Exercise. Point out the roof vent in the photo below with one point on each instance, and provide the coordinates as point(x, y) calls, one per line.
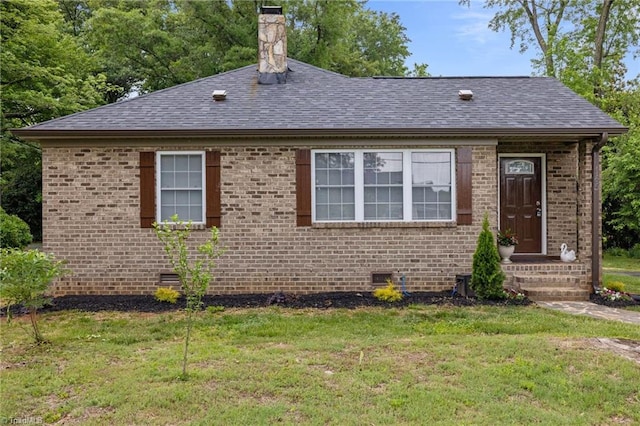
point(219, 95)
point(465, 95)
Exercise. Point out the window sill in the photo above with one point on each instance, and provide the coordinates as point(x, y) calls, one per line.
point(342, 225)
point(194, 226)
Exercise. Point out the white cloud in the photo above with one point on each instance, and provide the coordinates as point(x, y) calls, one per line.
point(474, 26)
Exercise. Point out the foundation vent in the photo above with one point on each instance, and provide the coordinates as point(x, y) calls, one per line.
point(380, 278)
point(169, 278)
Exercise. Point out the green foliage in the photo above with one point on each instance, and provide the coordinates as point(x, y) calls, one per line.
point(46, 73)
point(193, 268)
point(390, 293)
point(486, 274)
point(24, 279)
point(615, 286)
point(620, 181)
point(167, 294)
point(634, 252)
point(14, 232)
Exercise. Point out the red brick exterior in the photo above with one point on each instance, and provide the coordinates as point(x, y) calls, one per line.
point(92, 219)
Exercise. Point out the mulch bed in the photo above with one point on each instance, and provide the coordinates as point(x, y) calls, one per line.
point(596, 298)
point(348, 300)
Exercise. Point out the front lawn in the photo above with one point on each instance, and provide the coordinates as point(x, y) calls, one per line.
point(419, 365)
point(613, 265)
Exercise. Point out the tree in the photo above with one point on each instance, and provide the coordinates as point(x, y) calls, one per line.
point(621, 174)
point(486, 273)
point(588, 39)
point(584, 43)
point(150, 45)
point(24, 279)
point(193, 270)
point(45, 74)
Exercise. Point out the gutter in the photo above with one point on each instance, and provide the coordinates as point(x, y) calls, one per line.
point(83, 134)
point(595, 211)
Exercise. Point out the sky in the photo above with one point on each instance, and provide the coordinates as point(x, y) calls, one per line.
point(455, 40)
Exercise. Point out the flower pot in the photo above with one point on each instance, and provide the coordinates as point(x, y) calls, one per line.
point(505, 253)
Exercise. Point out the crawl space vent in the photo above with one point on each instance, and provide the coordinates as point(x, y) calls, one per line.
point(380, 278)
point(169, 278)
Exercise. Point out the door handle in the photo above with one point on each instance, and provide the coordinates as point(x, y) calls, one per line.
point(538, 209)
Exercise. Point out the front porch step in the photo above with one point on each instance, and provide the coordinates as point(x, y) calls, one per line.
point(552, 287)
point(554, 294)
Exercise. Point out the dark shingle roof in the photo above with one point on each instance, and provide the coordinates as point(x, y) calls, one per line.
point(316, 100)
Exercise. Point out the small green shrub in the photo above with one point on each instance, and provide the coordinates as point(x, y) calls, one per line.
point(615, 286)
point(617, 251)
point(388, 294)
point(25, 276)
point(167, 294)
point(14, 232)
point(634, 251)
point(486, 273)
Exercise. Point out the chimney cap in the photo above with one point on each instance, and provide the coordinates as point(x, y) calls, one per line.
point(271, 10)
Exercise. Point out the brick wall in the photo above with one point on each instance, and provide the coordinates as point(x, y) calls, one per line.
point(91, 218)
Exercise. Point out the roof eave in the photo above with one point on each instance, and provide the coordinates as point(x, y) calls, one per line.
point(580, 133)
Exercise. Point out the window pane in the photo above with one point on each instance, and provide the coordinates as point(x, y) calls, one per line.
point(182, 180)
point(347, 177)
point(322, 212)
point(335, 186)
point(322, 195)
point(383, 186)
point(395, 194)
point(335, 177)
point(321, 161)
point(431, 180)
point(348, 196)
point(181, 163)
point(195, 163)
point(182, 198)
point(349, 212)
point(166, 163)
point(444, 211)
point(335, 195)
point(177, 173)
point(195, 179)
point(167, 180)
point(322, 177)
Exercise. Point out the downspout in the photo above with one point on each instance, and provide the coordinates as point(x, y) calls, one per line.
point(595, 210)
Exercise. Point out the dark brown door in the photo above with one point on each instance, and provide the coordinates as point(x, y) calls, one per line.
point(521, 201)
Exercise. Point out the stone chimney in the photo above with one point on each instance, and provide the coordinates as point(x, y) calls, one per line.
point(272, 46)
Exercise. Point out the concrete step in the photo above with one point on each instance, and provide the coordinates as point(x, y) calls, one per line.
point(553, 294)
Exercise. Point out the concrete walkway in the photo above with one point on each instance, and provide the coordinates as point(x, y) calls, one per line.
point(594, 310)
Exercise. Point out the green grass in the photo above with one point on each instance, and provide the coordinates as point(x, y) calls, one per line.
point(421, 365)
point(621, 263)
point(613, 265)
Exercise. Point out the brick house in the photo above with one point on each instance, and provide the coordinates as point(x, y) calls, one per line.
point(321, 182)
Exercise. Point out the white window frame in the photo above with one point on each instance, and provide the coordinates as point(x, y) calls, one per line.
point(407, 195)
point(159, 155)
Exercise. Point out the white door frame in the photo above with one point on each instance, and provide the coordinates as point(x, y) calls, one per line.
point(543, 188)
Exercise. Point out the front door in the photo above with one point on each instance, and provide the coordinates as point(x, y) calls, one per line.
point(521, 201)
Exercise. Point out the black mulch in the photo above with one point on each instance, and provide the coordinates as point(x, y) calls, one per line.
point(349, 300)
point(635, 301)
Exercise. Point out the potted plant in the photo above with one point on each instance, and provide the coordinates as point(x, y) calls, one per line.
point(507, 242)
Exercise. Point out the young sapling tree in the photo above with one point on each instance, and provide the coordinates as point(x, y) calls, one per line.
point(24, 280)
point(194, 269)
